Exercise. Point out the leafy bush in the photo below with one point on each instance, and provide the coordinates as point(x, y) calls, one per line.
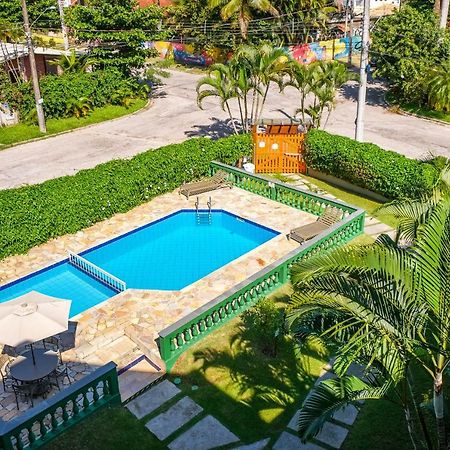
point(34, 214)
point(58, 92)
point(268, 322)
point(369, 166)
point(406, 45)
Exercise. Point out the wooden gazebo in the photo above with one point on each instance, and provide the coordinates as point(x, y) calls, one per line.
point(278, 147)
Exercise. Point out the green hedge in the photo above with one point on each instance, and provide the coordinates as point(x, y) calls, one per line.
point(57, 91)
point(368, 166)
point(32, 215)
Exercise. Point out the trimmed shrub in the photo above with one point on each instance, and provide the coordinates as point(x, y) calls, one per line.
point(366, 165)
point(99, 87)
point(32, 215)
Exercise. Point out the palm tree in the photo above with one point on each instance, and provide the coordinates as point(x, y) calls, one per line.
point(74, 63)
point(218, 83)
point(381, 299)
point(320, 79)
point(243, 10)
point(412, 214)
point(266, 65)
point(247, 77)
point(438, 87)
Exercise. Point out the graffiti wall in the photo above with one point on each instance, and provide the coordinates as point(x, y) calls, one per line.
point(304, 53)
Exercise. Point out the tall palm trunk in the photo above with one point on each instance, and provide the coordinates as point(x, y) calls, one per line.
point(231, 118)
point(438, 403)
point(263, 101)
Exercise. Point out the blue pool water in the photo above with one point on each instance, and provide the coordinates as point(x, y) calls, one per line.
point(168, 254)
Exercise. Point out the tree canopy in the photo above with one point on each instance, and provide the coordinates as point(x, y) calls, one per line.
point(115, 31)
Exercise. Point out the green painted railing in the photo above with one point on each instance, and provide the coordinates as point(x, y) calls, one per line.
point(39, 425)
point(177, 338)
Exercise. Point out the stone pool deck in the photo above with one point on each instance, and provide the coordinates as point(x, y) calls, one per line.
point(125, 326)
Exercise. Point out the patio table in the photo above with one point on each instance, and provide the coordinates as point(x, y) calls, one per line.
point(23, 369)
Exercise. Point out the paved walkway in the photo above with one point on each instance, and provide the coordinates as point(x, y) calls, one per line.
point(175, 116)
point(181, 424)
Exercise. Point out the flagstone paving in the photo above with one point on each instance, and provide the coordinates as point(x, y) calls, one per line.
point(288, 441)
point(174, 418)
point(204, 435)
point(153, 399)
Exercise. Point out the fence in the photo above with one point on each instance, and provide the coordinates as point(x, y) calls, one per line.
point(44, 422)
point(96, 272)
point(177, 338)
point(278, 153)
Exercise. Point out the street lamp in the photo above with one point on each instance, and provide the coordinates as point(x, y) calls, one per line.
point(40, 15)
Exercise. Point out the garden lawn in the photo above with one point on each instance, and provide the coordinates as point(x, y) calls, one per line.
point(349, 197)
point(23, 132)
point(354, 199)
point(253, 395)
point(113, 428)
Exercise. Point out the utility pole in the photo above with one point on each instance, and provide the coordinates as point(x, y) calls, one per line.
point(34, 74)
point(63, 25)
point(350, 33)
point(359, 133)
point(444, 14)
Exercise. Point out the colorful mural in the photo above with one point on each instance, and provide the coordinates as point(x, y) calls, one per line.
point(304, 53)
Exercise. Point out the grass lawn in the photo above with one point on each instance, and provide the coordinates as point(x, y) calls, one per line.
point(415, 109)
point(112, 428)
point(349, 197)
point(23, 132)
point(253, 395)
point(425, 112)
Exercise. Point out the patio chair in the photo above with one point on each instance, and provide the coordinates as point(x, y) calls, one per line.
point(24, 391)
point(7, 380)
point(61, 372)
point(217, 181)
point(53, 343)
point(311, 230)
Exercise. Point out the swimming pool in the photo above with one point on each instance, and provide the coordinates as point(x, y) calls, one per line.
point(167, 254)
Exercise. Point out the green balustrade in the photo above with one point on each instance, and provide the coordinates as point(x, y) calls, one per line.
point(39, 425)
point(175, 339)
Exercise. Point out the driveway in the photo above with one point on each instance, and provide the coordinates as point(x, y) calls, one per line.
point(174, 116)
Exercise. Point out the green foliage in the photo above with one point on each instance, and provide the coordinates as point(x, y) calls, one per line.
point(246, 78)
point(369, 166)
point(318, 81)
point(34, 214)
point(74, 62)
point(38, 12)
point(188, 17)
point(382, 306)
point(267, 320)
point(406, 45)
point(242, 11)
point(438, 87)
point(115, 31)
point(61, 92)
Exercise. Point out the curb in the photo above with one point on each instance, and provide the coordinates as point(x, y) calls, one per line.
point(402, 112)
point(148, 105)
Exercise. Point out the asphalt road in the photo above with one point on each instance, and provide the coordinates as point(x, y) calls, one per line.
point(174, 116)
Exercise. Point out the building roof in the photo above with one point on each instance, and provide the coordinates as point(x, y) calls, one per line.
point(10, 51)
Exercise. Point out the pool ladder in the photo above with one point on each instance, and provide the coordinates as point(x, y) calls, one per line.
point(203, 217)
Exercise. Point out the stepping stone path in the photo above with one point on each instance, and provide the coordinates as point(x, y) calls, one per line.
point(182, 424)
point(153, 399)
point(206, 434)
point(333, 434)
point(166, 423)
